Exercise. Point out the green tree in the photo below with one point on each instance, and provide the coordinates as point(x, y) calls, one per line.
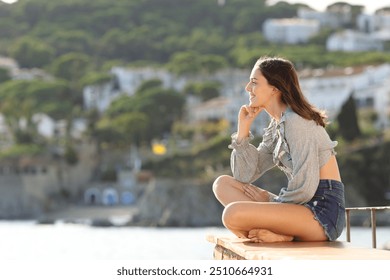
point(113, 44)
point(322, 36)
point(367, 170)
point(154, 31)
point(205, 91)
point(185, 63)
point(31, 52)
point(32, 11)
point(132, 126)
point(95, 78)
point(52, 98)
point(71, 66)
point(212, 63)
point(196, 41)
point(149, 84)
point(4, 75)
point(122, 130)
point(21, 100)
point(71, 41)
point(347, 119)
point(161, 106)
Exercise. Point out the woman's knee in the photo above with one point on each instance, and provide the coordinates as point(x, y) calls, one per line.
point(221, 182)
point(231, 215)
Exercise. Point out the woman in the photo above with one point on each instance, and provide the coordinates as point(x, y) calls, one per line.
point(311, 207)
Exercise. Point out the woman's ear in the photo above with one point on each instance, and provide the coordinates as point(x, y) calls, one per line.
point(275, 90)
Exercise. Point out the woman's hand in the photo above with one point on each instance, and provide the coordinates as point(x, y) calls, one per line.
point(248, 113)
point(246, 116)
point(255, 193)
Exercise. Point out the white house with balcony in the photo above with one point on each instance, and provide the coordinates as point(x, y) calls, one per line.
point(290, 30)
point(353, 41)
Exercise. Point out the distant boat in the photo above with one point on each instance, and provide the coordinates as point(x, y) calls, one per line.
point(120, 221)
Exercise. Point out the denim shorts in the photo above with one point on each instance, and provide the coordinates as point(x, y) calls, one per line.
point(328, 207)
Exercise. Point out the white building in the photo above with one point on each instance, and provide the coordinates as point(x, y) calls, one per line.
point(371, 23)
point(290, 30)
point(233, 95)
point(367, 23)
point(127, 80)
point(353, 41)
point(377, 25)
point(10, 64)
point(17, 73)
point(214, 109)
point(227, 108)
point(326, 19)
point(328, 89)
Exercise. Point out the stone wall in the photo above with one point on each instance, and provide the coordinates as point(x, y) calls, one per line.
point(14, 202)
point(31, 186)
point(179, 203)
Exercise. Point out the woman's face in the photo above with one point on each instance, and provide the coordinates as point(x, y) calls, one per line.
point(260, 92)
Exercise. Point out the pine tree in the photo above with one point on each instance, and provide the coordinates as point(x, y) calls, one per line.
point(348, 120)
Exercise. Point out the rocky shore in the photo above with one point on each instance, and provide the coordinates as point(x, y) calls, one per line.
point(162, 203)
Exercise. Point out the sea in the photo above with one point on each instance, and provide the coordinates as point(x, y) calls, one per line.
point(28, 240)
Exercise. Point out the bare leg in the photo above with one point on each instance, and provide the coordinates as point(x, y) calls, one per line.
point(228, 190)
point(271, 222)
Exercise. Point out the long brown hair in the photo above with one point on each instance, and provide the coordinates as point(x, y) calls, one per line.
point(281, 74)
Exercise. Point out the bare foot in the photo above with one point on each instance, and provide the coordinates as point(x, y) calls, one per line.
point(264, 235)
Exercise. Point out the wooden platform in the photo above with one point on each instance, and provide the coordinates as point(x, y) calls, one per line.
point(234, 248)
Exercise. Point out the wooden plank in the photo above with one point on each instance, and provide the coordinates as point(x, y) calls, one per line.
point(234, 248)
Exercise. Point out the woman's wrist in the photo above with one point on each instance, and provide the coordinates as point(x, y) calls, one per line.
point(242, 133)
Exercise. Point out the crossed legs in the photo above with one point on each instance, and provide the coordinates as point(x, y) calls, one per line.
point(263, 221)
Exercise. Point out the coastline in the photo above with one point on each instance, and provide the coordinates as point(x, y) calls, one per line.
point(128, 216)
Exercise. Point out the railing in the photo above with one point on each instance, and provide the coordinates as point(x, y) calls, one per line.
point(373, 220)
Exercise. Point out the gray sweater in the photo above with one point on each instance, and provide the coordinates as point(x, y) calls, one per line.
point(299, 147)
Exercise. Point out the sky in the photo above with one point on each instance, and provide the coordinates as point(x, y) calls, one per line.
point(320, 5)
